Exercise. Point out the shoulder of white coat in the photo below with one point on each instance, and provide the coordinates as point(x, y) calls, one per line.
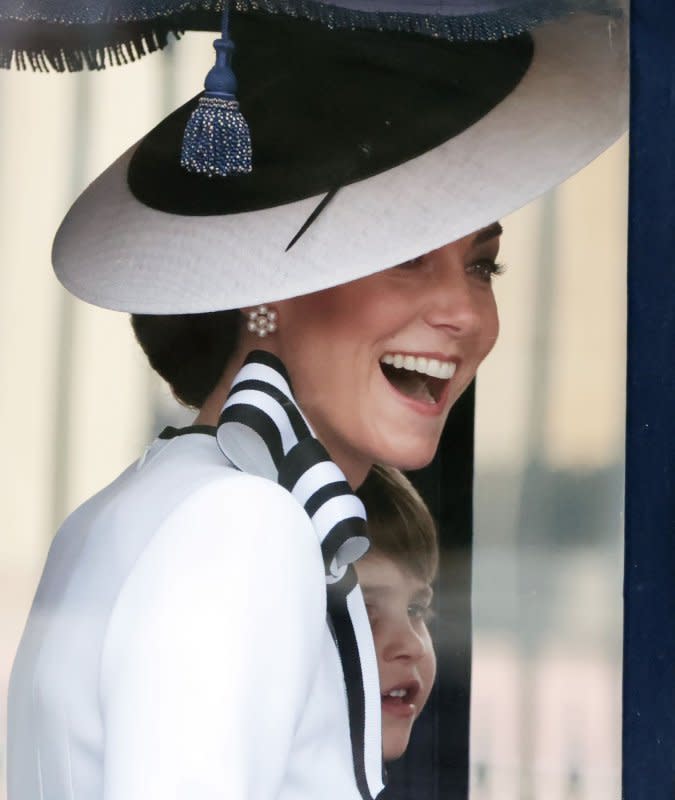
point(232, 527)
point(239, 555)
point(235, 513)
point(248, 497)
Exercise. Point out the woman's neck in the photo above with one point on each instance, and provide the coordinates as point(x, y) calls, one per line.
point(353, 466)
point(209, 413)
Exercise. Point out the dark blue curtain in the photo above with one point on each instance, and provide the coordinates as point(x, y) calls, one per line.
point(649, 621)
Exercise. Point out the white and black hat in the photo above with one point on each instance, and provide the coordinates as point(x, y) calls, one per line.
point(369, 147)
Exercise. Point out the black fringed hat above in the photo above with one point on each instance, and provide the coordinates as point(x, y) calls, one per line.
point(369, 148)
point(369, 102)
point(70, 35)
point(54, 34)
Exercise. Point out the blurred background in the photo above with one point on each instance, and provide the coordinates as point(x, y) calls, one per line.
point(79, 403)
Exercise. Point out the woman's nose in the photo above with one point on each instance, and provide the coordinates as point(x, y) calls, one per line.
point(454, 303)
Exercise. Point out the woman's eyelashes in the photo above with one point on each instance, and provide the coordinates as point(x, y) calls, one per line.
point(414, 263)
point(485, 269)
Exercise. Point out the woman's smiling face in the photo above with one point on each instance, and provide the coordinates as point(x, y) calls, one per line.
point(377, 363)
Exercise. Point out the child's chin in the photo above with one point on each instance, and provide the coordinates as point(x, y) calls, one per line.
point(395, 748)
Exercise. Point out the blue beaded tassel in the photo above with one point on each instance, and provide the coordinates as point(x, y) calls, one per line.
point(216, 139)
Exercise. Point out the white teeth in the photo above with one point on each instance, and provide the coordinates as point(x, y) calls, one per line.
point(427, 366)
point(397, 693)
point(447, 370)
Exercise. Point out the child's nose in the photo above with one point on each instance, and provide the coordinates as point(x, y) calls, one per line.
point(404, 643)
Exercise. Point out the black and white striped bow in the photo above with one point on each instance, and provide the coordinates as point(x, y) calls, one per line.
point(263, 432)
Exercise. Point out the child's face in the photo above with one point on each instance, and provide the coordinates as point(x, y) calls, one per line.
point(398, 606)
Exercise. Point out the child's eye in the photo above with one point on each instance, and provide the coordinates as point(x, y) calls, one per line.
point(485, 268)
point(419, 611)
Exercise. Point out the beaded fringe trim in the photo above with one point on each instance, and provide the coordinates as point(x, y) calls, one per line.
point(75, 52)
point(217, 139)
point(487, 26)
point(84, 12)
point(128, 30)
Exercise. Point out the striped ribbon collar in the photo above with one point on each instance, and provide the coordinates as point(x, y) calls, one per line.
point(262, 431)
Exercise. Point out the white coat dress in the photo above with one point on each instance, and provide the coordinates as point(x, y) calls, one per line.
point(178, 649)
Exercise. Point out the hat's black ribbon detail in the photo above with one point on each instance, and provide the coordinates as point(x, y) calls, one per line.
point(262, 431)
point(310, 219)
point(364, 151)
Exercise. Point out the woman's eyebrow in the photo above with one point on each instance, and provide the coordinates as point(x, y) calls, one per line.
point(485, 234)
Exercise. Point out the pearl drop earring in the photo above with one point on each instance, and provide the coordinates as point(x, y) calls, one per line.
point(262, 320)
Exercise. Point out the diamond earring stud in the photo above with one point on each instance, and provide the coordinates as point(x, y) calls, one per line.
point(262, 321)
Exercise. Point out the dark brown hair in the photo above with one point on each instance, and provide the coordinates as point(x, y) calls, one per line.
point(189, 351)
point(399, 523)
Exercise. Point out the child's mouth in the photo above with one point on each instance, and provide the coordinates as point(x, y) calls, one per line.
point(399, 700)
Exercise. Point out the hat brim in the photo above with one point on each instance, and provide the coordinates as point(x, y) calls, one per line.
point(113, 251)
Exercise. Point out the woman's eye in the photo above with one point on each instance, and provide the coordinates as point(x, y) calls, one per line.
point(413, 263)
point(485, 268)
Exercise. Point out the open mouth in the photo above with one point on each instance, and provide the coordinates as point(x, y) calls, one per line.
point(417, 377)
point(400, 699)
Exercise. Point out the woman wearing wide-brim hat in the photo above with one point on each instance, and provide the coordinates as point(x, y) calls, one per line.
point(198, 631)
